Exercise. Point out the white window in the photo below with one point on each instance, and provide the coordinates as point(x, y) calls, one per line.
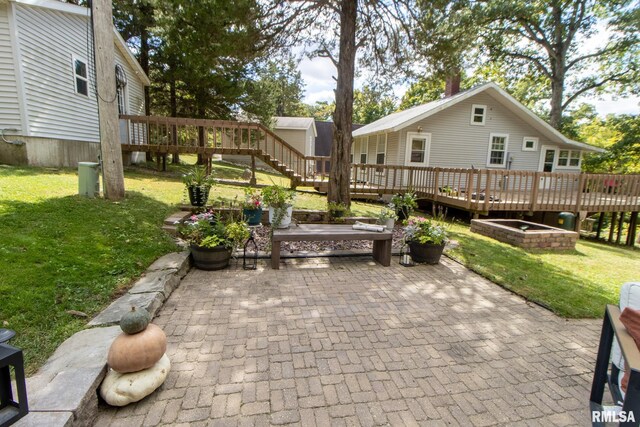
point(497, 155)
point(121, 89)
point(80, 76)
point(417, 151)
point(381, 151)
point(530, 143)
point(478, 114)
point(569, 158)
point(363, 150)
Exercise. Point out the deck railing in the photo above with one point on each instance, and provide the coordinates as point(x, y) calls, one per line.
point(480, 190)
point(486, 190)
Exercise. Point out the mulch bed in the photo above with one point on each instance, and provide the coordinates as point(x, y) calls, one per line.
point(261, 235)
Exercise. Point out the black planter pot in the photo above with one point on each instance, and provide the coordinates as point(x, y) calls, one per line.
point(198, 195)
point(425, 253)
point(252, 216)
point(403, 213)
point(210, 258)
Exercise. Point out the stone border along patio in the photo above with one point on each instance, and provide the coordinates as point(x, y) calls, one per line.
point(63, 392)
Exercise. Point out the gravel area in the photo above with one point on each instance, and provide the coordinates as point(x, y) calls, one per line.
point(261, 235)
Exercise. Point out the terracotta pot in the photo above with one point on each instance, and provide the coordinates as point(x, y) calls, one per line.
point(425, 253)
point(198, 195)
point(210, 258)
point(252, 216)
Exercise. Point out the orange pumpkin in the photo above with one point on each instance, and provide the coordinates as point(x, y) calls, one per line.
point(133, 353)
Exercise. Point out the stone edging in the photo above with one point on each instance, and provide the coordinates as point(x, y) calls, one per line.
point(63, 392)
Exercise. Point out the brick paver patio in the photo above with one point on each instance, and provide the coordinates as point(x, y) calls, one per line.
point(347, 342)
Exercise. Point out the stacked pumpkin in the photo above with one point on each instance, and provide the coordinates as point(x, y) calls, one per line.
point(137, 361)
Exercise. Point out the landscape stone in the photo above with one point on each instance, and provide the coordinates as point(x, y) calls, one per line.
point(121, 389)
point(163, 281)
point(76, 367)
point(175, 260)
point(151, 301)
point(49, 419)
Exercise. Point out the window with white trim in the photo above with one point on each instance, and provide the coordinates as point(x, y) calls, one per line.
point(418, 150)
point(364, 145)
point(381, 151)
point(80, 76)
point(530, 143)
point(497, 149)
point(478, 114)
point(569, 158)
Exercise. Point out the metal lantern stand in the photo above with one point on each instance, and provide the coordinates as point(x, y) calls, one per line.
point(405, 258)
point(250, 254)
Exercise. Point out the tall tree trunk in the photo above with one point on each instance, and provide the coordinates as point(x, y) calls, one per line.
point(339, 176)
point(144, 63)
point(173, 103)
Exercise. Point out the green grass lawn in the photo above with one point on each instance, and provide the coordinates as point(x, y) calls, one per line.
point(574, 283)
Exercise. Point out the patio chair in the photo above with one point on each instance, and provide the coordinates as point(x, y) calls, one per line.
point(617, 346)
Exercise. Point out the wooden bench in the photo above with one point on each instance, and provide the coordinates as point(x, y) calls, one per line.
point(325, 232)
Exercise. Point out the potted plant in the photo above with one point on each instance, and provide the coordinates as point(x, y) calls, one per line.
point(211, 239)
point(404, 204)
point(198, 185)
point(426, 239)
point(337, 210)
point(252, 206)
point(387, 217)
point(280, 201)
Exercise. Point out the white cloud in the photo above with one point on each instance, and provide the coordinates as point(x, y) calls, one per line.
point(609, 105)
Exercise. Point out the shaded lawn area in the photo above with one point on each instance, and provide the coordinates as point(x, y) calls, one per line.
point(574, 284)
point(61, 252)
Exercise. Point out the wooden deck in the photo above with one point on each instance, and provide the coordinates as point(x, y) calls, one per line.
point(474, 190)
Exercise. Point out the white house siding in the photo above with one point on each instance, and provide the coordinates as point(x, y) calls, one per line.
point(9, 106)
point(294, 137)
point(455, 143)
point(48, 39)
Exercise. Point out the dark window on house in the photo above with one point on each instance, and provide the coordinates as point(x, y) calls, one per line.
point(81, 76)
point(497, 150)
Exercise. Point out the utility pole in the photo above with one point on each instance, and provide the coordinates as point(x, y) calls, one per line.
point(112, 170)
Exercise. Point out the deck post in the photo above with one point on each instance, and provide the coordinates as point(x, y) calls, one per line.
point(620, 227)
point(487, 191)
point(253, 181)
point(631, 233)
point(468, 187)
point(534, 192)
point(612, 226)
point(600, 221)
point(437, 186)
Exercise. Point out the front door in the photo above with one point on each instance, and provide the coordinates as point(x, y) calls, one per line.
point(547, 164)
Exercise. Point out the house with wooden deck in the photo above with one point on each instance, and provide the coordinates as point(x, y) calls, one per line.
point(480, 128)
point(48, 108)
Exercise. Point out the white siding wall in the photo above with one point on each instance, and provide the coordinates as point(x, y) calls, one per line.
point(9, 106)
point(455, 143)
point(294, 137)
point(48, 39)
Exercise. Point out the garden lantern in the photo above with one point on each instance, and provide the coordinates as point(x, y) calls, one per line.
point(10, 410)
point(405, 257)
point(250, 254)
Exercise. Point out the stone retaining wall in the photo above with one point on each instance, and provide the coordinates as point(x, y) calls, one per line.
point(553, 238)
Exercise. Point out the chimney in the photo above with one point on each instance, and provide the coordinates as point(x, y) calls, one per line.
point(453, 84)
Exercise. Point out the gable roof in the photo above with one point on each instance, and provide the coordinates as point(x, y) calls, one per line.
point(298, 123)
point(85, 12)
point(401, 119)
